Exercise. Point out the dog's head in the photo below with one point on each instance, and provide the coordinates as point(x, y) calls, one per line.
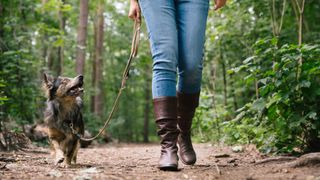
point(62, 88)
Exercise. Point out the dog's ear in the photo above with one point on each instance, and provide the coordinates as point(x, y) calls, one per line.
point(47, 81)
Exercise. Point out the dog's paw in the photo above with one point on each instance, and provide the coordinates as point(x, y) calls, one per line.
point(65, 165)
point(74, 160)
point(59, 157)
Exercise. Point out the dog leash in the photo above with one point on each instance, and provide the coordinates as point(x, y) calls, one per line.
point(125, 76)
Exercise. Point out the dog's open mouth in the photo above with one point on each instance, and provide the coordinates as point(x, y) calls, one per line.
point(76, 90)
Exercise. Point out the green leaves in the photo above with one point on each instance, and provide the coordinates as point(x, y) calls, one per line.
point(259, 104)
point(249, 60)
point(305, 83)
point(288, 109)
point(3, 97)
point(56, 5)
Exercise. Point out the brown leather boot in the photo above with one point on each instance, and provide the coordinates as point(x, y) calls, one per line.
point(187, 104)
point(165, 110)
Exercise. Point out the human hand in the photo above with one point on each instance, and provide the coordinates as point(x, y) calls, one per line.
point(134, 11)
point(219, 4)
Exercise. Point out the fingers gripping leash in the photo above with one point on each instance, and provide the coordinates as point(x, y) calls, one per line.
point(133, 54)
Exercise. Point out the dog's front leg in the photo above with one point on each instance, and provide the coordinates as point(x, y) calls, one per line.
point(69, 144)
point(59, 155)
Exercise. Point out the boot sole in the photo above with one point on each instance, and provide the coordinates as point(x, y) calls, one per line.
point(168, 168)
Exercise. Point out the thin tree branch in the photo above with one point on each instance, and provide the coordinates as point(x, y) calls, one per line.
point(273, 13)
point(282, 15)
point(298, 5)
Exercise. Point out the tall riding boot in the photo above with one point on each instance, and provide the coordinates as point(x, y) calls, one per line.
point(165, 110)
point(187, 104)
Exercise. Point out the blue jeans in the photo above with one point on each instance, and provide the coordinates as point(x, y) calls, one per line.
point(176, 31)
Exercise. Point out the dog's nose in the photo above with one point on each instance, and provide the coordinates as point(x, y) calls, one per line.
point(80, 77)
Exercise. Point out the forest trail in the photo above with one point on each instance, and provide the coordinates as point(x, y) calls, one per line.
point(139, 161)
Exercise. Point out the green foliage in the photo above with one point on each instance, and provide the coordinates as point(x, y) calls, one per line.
point(286, 115)
point(14, 67)
point(3, 98)
point(19, 93)
point(259, 93)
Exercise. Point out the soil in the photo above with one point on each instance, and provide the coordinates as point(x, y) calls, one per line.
point(139, 161)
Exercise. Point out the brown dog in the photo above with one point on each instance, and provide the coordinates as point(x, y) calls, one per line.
point(64, 106)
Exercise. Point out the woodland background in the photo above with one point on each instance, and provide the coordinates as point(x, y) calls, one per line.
point(261, 75)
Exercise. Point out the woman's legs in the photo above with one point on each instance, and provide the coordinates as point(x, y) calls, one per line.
point(191, 23)
point(175, 36)
point(160, 17)
point(177, 33)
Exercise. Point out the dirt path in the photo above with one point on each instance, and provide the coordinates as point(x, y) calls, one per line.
point(138, 161)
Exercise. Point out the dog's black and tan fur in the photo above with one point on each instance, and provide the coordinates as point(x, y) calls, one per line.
point(64, 106)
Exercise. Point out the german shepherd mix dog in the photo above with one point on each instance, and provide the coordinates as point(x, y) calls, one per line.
point(64, 106)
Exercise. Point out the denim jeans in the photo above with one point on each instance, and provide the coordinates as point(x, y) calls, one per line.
point(176, 30)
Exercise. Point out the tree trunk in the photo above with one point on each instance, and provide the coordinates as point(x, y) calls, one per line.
point(213, 74)
point(1, 21)
point(300, 35)
point(301, 12)
point(51, 58)
point(233, 92)
point(62, 24)
point(276, 26)
point(44, 40)
point(147, 105)
point(93, 79)
point(82, 37)
point(224, 75)
point(44, 51)
point(98, 97)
